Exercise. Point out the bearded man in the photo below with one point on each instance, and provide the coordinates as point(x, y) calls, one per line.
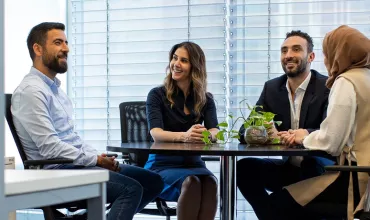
point(299, 98)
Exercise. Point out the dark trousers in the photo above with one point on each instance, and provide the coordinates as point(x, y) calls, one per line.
point(255, 176)
point(129, 191)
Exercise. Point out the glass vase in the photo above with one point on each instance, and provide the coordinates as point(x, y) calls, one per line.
point(255, 135)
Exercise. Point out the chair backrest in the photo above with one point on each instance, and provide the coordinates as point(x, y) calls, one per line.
point(134, 127)
point(9, 119)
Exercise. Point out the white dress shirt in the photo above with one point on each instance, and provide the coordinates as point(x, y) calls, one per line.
point(296, 101)
point(339, 127)
point(295, 111)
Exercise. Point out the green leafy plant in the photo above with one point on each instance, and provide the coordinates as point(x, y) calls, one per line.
point(260, 118)
point(206, 139)
point(229, 133)
point(256, 118)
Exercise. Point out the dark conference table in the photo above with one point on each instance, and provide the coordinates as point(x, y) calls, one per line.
point(228, 153)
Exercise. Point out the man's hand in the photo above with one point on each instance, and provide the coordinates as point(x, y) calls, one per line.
point(108, 163)
point(194, 134)
point(287, 137)
point(104, 155)
point(300, 134)
point(272, 131)
point(293, 137)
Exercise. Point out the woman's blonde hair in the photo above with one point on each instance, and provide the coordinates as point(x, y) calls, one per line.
point(198, 76)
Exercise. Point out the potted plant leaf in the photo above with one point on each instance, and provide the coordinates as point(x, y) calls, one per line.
point(225, 134)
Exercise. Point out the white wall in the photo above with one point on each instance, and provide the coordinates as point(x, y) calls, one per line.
point(20, 17)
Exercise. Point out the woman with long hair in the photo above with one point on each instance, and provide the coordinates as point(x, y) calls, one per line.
point(176, 112)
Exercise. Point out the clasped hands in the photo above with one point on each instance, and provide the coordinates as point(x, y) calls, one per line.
point(194, 134)
point(108, 163)
point(292, 137)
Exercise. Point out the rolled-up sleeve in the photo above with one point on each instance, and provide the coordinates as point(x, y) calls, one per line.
point(30, 110)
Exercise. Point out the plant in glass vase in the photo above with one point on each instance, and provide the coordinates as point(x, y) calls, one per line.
point(257, 126)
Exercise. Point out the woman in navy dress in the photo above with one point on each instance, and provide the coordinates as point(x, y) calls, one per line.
point(176, 112)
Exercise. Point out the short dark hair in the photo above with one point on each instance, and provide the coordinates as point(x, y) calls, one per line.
point(304, 35)
point(38, 35)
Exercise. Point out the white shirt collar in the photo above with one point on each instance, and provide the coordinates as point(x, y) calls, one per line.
point(303, 85)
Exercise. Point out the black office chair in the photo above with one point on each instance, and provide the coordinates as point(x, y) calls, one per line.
point(50, 212)
point(134, 128)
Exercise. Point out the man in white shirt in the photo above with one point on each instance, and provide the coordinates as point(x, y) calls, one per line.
point(299, 99)
point(42, 115)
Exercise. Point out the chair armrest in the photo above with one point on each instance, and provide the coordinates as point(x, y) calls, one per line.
point(365, 169)
point(46, 162)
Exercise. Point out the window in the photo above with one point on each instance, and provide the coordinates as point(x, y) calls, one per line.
point(119, 51)
point(258, 29)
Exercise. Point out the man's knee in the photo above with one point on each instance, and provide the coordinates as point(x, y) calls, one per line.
point(156, 183)
point(310, 167)
point(124, 184)
point(248, 166)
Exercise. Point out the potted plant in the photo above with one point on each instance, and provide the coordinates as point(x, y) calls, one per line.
point(257, 125)
point(225, 134)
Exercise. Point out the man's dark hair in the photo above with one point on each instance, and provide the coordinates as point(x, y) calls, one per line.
point(38, 35)
point(302, 35)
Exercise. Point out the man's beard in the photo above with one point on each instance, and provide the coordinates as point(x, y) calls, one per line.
point(53, 63)
point(299, 70)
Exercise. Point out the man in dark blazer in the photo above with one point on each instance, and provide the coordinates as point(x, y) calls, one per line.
point(299, 99)
point(274, 98)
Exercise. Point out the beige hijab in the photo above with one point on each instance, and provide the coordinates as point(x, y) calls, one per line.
point(345, 48)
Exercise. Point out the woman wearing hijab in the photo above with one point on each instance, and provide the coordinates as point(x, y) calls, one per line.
point(344, 133)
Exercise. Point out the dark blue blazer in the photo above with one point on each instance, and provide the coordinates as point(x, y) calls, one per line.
point(274, 98)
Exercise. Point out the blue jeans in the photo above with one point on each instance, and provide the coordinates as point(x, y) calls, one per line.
point(129, 191)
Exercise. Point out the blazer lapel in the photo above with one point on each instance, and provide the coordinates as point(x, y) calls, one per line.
point(308, 96)
point(284, 105)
